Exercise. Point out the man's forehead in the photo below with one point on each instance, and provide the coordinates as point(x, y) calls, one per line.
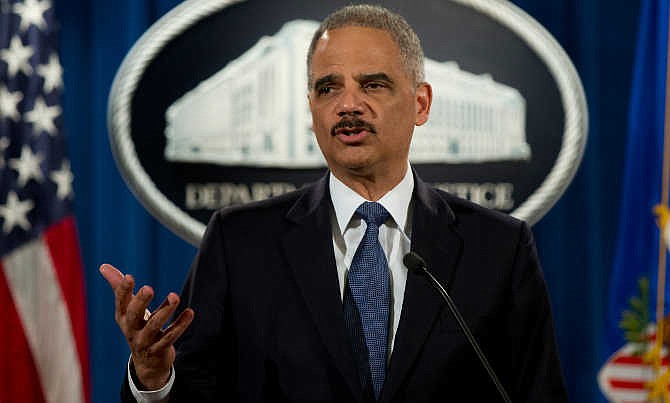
point(353, 44)
point(355, 50)
point(353, 29)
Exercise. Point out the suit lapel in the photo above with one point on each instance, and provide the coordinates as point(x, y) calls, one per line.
point(434, 239)
point(309, 250)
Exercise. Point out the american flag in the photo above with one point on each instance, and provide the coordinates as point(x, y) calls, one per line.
point(43, 341)
point(624, 376)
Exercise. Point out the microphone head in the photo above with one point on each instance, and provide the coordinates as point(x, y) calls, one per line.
point(414, 262)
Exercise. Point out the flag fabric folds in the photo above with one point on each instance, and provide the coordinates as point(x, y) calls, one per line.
point(638, 237)
point(43, 344)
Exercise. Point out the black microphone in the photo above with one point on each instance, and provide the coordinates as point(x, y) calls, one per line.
point(416, 264)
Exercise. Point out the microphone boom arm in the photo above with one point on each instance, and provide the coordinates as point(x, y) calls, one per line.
point(419, 265)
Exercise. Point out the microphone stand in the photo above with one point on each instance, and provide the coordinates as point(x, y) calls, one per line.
point(415, 263)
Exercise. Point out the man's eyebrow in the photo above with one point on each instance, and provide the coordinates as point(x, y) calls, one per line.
point(373, 77)
point(325, 79)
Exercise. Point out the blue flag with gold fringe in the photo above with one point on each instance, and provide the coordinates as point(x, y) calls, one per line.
point(637, 255)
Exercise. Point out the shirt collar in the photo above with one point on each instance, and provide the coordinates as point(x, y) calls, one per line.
point(396, 201)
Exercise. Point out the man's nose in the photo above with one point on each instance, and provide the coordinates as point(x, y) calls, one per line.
point(350, 103)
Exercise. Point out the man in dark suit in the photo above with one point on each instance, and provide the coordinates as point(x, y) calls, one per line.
point(304, 297)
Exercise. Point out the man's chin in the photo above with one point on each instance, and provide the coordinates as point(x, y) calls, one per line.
point(362, 169)
point(357, 164)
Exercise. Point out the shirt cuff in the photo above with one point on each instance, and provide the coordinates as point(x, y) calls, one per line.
point(150, 396)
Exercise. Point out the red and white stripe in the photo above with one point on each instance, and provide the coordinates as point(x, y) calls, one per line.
point(44, 350)
point(622, 379)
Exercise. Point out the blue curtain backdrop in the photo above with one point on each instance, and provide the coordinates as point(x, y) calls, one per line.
point(576, 240)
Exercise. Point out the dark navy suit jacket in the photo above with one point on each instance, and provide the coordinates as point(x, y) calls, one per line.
point(269, 324)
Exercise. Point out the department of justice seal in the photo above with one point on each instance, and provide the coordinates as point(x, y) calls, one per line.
point(209, 108)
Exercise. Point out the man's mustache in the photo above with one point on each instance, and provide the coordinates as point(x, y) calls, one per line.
point(352, 123)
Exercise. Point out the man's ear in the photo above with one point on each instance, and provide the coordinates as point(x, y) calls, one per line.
point(424, 98)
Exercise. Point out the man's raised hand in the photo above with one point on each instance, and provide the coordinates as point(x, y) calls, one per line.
point(151, 346)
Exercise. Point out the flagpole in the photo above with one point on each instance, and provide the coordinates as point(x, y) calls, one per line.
point(665, 184)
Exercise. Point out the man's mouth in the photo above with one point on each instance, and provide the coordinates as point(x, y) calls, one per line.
point(352, 128)
point(350, 132)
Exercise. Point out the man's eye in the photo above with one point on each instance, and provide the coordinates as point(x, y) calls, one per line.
point(374, 86)
point(324, 90)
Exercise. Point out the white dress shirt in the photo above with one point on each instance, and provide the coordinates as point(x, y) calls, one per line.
point(348, 230)
point(394, 236)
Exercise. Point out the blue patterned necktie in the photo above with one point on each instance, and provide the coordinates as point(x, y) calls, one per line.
point(367, 299)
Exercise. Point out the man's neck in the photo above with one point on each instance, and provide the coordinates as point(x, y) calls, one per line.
point(371, 186)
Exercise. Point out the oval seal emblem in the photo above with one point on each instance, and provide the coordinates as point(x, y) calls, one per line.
point(209, 107)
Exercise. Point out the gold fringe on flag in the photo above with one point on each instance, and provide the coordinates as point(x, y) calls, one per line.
point(659, 387)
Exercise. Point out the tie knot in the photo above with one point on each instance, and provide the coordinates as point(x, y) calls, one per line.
point(372, 213)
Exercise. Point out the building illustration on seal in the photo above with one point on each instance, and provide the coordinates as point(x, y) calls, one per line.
point(254, 112)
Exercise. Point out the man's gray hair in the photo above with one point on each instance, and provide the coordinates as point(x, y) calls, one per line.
point(368, 16)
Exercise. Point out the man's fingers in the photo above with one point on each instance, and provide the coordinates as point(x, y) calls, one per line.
point(166, 302)
point(172, 333)
point(111, 274)
point(158, 318)
point(124, 294)
point(142, 328)
point(134, 315)
point(121, 284)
